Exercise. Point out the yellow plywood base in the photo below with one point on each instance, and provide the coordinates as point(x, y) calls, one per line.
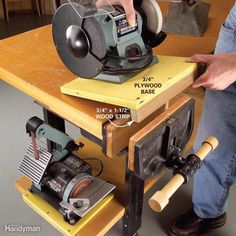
point(171, 74)
point(55, 218)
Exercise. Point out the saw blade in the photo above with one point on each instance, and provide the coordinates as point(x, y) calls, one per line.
point(153, 11)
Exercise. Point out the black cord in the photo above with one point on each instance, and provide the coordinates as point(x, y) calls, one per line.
point(114, 70)
point(95, 159)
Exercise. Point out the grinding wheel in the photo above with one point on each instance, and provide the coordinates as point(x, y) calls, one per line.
point(153, 11)
point(80, 42)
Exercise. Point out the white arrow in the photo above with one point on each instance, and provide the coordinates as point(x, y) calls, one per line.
point(122, 126)
point(130, 122)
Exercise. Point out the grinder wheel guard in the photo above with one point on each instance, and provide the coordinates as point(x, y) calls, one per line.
point(81, 58)
point(88, 48)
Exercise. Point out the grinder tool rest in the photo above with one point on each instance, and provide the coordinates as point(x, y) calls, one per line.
point(61, 178)
point(102, 45)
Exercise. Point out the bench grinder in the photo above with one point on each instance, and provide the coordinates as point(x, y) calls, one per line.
point(102, 45)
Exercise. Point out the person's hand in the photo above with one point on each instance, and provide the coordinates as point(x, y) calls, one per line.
point(128, 6)
point(220, 73)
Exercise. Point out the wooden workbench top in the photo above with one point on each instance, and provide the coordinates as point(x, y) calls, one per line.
point(30, 63)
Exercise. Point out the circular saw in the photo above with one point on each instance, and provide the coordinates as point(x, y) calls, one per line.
point(104, 46)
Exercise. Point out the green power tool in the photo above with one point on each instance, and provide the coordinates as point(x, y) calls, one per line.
point(60, 176)
point(100, 44)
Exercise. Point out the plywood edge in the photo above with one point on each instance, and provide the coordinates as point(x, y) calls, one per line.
point(66, 89)
point(54, 104)
point(152, 125)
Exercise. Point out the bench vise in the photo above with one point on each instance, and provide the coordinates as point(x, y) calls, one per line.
point(160, 146)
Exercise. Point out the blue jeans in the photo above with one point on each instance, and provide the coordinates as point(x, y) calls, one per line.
point(218, 172)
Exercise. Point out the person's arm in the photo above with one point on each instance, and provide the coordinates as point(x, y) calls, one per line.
point(128, 6)
point(220, 73)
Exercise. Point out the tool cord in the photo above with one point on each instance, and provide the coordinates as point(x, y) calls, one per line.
point(98, 160)
point(148, 58)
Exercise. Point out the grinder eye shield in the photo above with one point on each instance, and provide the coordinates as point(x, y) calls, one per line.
point(91, 7)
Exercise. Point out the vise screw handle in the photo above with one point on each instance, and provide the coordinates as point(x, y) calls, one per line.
point(161, 198)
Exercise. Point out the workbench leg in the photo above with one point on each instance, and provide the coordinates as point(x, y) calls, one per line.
point(5, 10)
point(56, 122)
point(58, 3)
point(134, 204)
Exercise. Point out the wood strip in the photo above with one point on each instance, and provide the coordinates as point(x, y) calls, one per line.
point(104, 220)
point(23, 6)
point(152, 125)
point(117, 139)
point(49, 10)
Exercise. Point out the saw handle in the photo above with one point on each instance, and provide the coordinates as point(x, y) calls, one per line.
point(161, 198)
